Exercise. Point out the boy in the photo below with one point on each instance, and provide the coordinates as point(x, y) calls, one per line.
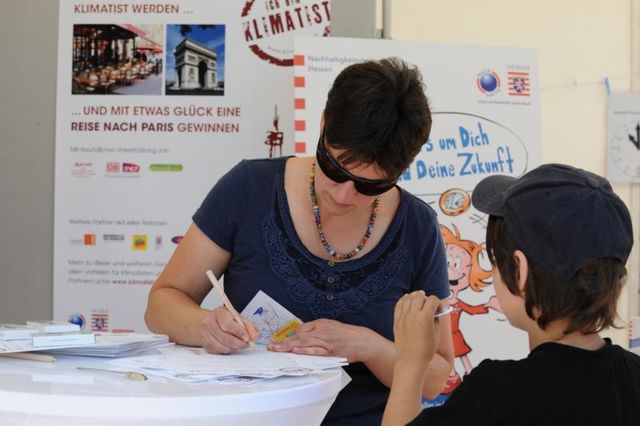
point(558, 238)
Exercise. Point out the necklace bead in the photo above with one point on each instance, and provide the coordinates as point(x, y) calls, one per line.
point(323, 239)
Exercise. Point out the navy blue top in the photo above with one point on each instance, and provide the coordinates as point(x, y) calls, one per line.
point(247, 214)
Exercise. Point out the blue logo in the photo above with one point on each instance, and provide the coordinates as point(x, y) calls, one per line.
point(77, 319)
point(488, 82)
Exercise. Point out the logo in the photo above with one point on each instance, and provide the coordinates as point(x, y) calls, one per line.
point(177, 239)
point(99, 320)
point(76, 242)
point(518, 83)
point(139, 242)
point(82, 169)
point(268, 26)
point(130, 168)
point(117, 169)
point(166, 167)
point(158, 242)
point(116, 238)
point(77, 319)
point(488, 82)
point(89, 239)
point(113, 167)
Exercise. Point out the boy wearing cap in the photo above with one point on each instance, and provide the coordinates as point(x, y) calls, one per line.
point(558, 238)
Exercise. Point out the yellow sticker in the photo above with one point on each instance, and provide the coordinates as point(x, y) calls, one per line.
point(286, 330)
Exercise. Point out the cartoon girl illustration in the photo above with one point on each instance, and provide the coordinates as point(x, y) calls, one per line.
point(464, 270)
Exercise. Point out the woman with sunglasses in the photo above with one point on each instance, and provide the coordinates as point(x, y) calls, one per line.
point(331, 237)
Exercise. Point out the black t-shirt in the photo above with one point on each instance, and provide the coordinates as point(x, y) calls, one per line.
point(555, 385)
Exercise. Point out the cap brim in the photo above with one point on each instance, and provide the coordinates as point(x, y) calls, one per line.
point(488, 195)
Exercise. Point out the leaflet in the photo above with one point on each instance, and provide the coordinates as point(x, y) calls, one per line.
point(273, 321)
point(16, 331)
point(194, 364)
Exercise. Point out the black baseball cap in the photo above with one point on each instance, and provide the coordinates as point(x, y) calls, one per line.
point(559, 216)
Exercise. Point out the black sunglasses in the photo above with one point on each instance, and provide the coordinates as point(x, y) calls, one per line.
point(334, 171)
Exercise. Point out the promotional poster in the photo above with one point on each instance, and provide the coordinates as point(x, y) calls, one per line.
point(155, 102)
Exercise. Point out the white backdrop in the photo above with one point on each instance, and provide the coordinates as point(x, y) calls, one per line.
point(486, 120)
point(134, 158)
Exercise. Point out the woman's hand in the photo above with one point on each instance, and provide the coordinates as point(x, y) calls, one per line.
point(329, 338)
point(221, 334)
point(415, 329)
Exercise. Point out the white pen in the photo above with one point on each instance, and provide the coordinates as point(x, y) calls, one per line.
point(227, 303)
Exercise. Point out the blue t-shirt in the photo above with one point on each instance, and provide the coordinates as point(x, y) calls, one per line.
point(247, 214)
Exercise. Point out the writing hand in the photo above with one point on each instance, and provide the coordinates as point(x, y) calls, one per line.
point(221, 334)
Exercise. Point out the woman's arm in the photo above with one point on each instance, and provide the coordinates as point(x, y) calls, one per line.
point(173, 307)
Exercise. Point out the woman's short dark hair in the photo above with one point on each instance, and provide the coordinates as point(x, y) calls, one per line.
point(589, 306)
point(378, 112)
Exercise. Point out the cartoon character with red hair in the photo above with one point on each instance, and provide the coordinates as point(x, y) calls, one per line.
point(463, 263)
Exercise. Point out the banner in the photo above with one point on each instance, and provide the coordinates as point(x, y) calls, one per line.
point(155, 102)
point(486, 120)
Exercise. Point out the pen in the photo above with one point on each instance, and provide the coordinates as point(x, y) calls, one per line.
point(226, 302)
point(442, 312)
point(445, 310)
point(30, 356)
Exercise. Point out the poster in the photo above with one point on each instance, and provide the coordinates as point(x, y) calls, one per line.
point(623, 138)
point(486, 120)
point(155, 101)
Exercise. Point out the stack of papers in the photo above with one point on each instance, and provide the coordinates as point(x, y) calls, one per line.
point(54, 326)
point(85, 343)
point(62, 340)
point(42, 335)
point(196, 365)
point(16, 332)
point(117, 344)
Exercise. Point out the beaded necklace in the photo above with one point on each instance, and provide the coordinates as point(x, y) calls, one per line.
point(316, 216)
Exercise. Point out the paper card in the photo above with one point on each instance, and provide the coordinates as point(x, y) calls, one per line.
point(274, 321)
point(54, 326)
point(16, 332)
point(193, 364)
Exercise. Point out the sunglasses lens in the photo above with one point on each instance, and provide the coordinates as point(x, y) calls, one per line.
point(336, 173)
point(328, 167)
point(373, 189)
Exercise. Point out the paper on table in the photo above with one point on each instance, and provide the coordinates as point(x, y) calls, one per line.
point(106, 345)
point(14, 346)
point(16, 331)
point(118, 344)
point(274, 321)
point(193, 362)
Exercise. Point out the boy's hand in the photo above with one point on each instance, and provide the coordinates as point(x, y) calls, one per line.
point(415, 328)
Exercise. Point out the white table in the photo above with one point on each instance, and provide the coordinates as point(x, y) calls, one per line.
point(57, 394)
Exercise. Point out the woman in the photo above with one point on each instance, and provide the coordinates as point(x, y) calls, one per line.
point(331, 238)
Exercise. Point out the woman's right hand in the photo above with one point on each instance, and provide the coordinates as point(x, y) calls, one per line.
point(221, 334)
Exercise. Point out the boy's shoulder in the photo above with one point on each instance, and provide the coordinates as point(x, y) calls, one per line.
point(562, 359)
